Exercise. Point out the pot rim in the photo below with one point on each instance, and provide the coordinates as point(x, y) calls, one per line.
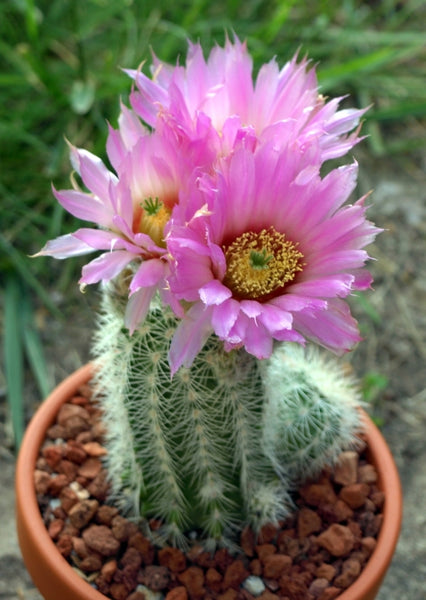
point(66, 584)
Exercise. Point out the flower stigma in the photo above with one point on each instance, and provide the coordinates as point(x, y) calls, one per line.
point(154, 218)
point(259, 264)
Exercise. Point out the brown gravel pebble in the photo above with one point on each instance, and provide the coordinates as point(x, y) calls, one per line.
point(177, 593)
point(346, 469)
point(337, 539)
point(275, 565)
point(83, 512)
point(355, 494)
point(172, 558)
point(193, 579)
point(101, 539)
point(234, 575)
point(313, 555)
point(308, 521)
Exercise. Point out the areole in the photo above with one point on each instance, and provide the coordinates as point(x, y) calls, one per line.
point(56, 579)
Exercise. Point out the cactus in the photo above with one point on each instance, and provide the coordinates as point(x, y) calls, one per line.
point(312, 414)
point(216, 446)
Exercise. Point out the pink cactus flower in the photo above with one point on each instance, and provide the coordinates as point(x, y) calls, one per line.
point(130, 208)
point(268, 254)
point(221, 90)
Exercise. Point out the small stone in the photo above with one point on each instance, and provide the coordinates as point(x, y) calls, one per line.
point(91, 563)
point(68, 498)
point(214, 579)
point(234, 575)
point(172, 558)
point(177, 593)
point(293, 586)
point(275, 565)
point(64, 545)
point(55, 528)
point(90, 468)
point(105, 514)
point(108, 570)
point(143, 546)
point(79, 547)
point(94, 449)
point(53, 455)
point(330, 593)
point(137, 595)
point(155, 578)
point(82, 513)
point(247, 541)
point(267, 595)
point(99, 487)
point(57, 484)
point(265, 550)
point(122, 528)
point(41, 481)
point(337, 539)
point(355, 494)
point(118, 591)
point(368, 544)
point(69, 411)
point(254, 585)
point(230, 594)
point(149, 594)
point(308, 521)
point(75, 452)
point(256, 567)
point(80, 492)
point(367, 474)
point(193, 580)
point(346, 469)
point(100, 539)
point(351, 568)
point(325, 571)
point(267, 534)
point(317, 494)
point(318, 586)
point(336, 513)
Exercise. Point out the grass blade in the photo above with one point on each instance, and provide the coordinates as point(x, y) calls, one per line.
point(13, 353)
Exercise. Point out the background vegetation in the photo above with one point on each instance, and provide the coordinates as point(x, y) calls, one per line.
point(60, 78)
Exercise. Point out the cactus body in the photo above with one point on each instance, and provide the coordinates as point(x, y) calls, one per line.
point(218, 445)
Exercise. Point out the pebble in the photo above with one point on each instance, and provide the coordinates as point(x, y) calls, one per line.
point(177, 593)
point(346, 469)
point(308, 521)
point(254, 585)
point(275, 565)
point(337, 539)
point(355, 494)
point(82, 513)
point(100, 538)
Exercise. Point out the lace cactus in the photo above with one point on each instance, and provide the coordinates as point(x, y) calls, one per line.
point(220, 444)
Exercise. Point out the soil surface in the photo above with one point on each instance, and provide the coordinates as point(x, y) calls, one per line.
point(392, 319)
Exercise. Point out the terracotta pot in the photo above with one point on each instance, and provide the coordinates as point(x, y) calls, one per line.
point(56, 579)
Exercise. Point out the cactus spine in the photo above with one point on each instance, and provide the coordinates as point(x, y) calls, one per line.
point(205, 450)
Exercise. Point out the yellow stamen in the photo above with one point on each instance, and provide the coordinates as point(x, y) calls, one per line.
point(259, 264)
point(154, 217)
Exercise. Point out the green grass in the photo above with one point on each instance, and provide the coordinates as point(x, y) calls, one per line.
point(60, 78)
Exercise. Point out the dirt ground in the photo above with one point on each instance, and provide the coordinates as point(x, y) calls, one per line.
point(393, 322)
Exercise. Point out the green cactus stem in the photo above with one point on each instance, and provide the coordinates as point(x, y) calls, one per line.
point(219, 445)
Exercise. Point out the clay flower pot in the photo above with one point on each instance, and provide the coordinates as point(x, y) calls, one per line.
point(56, 579)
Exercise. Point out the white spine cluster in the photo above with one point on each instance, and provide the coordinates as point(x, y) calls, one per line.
point(311, 414)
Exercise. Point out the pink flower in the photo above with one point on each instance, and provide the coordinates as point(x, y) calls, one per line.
point(222, 91)
point(131, 209)
point(268, 254)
